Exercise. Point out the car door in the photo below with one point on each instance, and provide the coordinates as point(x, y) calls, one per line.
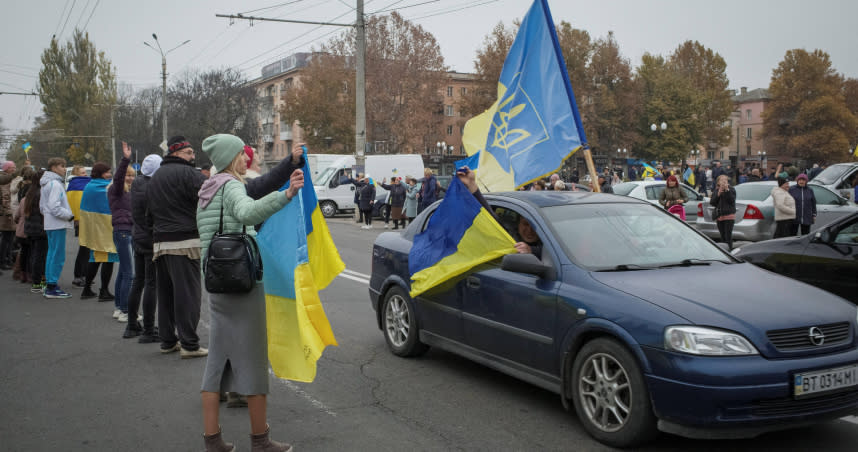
point(512, 315)
point(829, 206)
point(692, 198)
point(833, 266)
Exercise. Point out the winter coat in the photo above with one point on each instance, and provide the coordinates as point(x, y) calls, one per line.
point(367, 196)
point(19, 220)
point(671, 196)
point(411, 200)
point(238, 210)
point(272, 180)
point(724, 202)
point(805, 204)
point(142, 230)
point(172, 200)
point(54, 203)
point(606, 188)
point(6, 223)
point(784, 204)
point(428, 190)
point(34, 225)
point(14, 189)
point(120, 200)
point(397, 193)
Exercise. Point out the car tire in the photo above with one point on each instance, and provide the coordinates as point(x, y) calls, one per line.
point(399, 324)
point(610, 395)
point(328, 208)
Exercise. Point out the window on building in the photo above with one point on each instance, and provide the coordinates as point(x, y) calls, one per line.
point(749, 149)
point(449, 130)
point(748, 133)
point(748, 114)
point(448, 110)
point(722, 155)
point(462, 130)
point(464, 90)
point(710, 155)
point(449, 91)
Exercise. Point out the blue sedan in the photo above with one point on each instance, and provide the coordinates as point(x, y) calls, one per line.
point(604, 316)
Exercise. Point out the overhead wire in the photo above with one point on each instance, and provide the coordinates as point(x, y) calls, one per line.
point(467, 6)
point(90, 14)
point(82, 12)
point(57, 28)
point(271, 7)
point(404, 7)
point(74, 2)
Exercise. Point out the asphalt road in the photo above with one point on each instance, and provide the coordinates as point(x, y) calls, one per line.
point(70, 382)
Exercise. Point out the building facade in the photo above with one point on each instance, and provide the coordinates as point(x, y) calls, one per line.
point(747, 147)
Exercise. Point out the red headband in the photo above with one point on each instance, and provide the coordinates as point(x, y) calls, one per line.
point(177, 146)
point(249, 151)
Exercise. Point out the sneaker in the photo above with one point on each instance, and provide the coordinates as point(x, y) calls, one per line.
point(116, 313)
point(56, 292)
point(176, 347)
point(78, 282)
point(198, 353)
point(369, 226)
point(37, 288)
point(123, 317)
point(105, 295)
point(386, 225)
point(363, 227)
point(87, 293)
point(146, 338)
point(131, 331)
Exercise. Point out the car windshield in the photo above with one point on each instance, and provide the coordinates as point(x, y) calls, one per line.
point(754, 192)
point(622, 236)
point(831, 174)
point(624, 189)
point(326, 174)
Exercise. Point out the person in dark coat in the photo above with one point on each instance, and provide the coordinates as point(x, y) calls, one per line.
point(805, 205)
point(144, 274)
point(724, 200)
point(604, 185)
point(397, 200)
point(367, 199)
point(119, 197)
point(428, 190)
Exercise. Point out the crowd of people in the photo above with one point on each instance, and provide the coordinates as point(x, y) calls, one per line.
point(156, 226)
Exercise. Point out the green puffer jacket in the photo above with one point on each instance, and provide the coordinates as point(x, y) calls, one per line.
point(238, 209)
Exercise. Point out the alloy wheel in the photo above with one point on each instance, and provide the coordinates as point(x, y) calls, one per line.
point(397, 320)
point(605, 392)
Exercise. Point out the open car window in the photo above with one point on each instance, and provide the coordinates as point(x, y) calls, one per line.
point(848, 235)
point(824, 196)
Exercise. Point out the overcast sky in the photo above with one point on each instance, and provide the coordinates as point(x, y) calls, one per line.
point(751, 35)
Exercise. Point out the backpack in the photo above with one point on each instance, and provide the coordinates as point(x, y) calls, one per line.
point(233, 263)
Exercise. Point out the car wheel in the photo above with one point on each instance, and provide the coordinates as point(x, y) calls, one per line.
point(399, 324)
point(610, 395)
point(384, 211)
point(328, 208)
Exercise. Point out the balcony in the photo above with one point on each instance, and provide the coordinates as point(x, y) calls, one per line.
point(267, 138)
point(285, 135)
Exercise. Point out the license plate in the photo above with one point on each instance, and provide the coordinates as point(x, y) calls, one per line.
point(819, 381)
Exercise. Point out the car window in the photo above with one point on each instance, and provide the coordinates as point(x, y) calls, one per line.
point(753, 192)
point(848, 235)
point(830, 174)
point(654, 191)
point(824, 196)
point(847, 182)
point(604, 236)
point(690, 194)
point(624, 189)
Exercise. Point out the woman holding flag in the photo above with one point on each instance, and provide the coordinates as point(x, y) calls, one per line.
point(238, 351)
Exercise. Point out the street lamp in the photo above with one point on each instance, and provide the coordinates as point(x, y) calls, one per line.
point(695, 153)
point(762, 155)
point(655, 128)
point(441, 146)
point(163, 79)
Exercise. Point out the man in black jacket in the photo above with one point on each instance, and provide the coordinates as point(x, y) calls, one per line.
point(144, 276)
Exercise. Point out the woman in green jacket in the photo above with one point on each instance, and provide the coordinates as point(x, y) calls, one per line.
point(238, 351)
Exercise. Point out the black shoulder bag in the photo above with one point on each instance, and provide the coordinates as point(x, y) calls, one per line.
point(233, 263)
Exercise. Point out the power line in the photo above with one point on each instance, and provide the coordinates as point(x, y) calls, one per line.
point(467, 6)
point(388, 6)
point(57, 28)
point(82, 12)
point(67, 19)
point(403, 7)
point(272, 7)
point(90, 14)
point(18, 73)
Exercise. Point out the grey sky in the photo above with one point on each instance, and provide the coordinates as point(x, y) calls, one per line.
point(751, 35)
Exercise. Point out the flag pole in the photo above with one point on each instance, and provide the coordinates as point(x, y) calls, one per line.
point(591, 168)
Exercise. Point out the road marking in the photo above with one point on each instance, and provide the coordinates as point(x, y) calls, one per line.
point(354, 273)
point(852, 419)
point(316, 403)
point(355, 276)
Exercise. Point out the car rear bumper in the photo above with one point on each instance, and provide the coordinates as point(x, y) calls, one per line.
point(747, 230)
point(712, 397)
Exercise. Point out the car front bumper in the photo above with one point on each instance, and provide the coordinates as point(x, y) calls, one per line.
point(725, 397)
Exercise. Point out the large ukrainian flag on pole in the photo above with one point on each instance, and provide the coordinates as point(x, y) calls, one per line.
point(300, 259)
point(461, 234)
point(534, 125)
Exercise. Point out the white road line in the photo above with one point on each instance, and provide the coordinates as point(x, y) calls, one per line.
point(354, 273)
point(360, 280)
point(316, 403)
point(852, 419)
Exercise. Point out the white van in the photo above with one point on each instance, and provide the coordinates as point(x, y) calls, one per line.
point(319, 162)
point(334, 197)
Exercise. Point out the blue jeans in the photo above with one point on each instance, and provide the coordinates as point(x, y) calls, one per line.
point(56, 255)
point(122, 285)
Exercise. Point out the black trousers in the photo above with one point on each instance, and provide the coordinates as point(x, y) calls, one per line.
point(106, 273)
point(178, 284)
point(6, 240)
point(725, 228)
point(38, 258)
point(80, 261)
point(783, 228)
point(144, 278)
point(24, 254)
point(367, 216)
point(805, 229)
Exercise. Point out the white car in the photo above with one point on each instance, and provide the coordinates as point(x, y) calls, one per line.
point(650, 190)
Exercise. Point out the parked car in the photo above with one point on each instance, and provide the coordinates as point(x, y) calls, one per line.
point(755, 213)
point(603, 318)
point(578, 187)
point(827, 259)
point(838, 178)
point(650, 191)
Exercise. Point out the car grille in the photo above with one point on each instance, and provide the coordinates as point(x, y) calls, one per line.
point(789, 405)
point(798, 338)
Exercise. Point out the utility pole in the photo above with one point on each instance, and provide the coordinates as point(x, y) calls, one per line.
point(163, 81)
point(112, 130)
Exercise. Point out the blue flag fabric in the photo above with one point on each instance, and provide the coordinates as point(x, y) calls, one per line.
point(534, 125)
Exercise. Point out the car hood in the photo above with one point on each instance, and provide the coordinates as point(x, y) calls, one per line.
point(737, 297)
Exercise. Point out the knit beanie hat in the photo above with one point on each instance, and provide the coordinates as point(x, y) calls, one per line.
point(801, 176)
point(150, 164)
point(782, 180)
point(177, 143)
point(222, 149)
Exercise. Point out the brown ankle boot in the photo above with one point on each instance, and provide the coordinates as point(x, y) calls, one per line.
point(214, 443)
point(261, 443)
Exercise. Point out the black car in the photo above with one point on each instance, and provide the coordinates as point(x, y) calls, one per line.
point(827, 258)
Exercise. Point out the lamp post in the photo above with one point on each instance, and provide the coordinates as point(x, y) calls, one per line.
point(695, 154)
point(762, 155)
point(441, 146)
point(163, 80)
point(656, 128)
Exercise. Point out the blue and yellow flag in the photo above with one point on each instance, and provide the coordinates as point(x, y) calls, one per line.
point(96, 228)
point(688, 175)
point(855, 152)
point(74, 193)
point(26, 147)
point(648, 171)
point(461, 235)
point(534, 125)
point(300, 259)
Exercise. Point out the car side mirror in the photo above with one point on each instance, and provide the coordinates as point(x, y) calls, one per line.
point(823, 236)
point(524, 263)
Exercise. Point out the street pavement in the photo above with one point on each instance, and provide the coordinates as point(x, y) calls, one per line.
point(70, 382)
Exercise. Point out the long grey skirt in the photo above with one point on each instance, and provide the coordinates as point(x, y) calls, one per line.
point(238, 344)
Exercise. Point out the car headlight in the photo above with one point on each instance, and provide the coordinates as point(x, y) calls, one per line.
point(706, 341)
